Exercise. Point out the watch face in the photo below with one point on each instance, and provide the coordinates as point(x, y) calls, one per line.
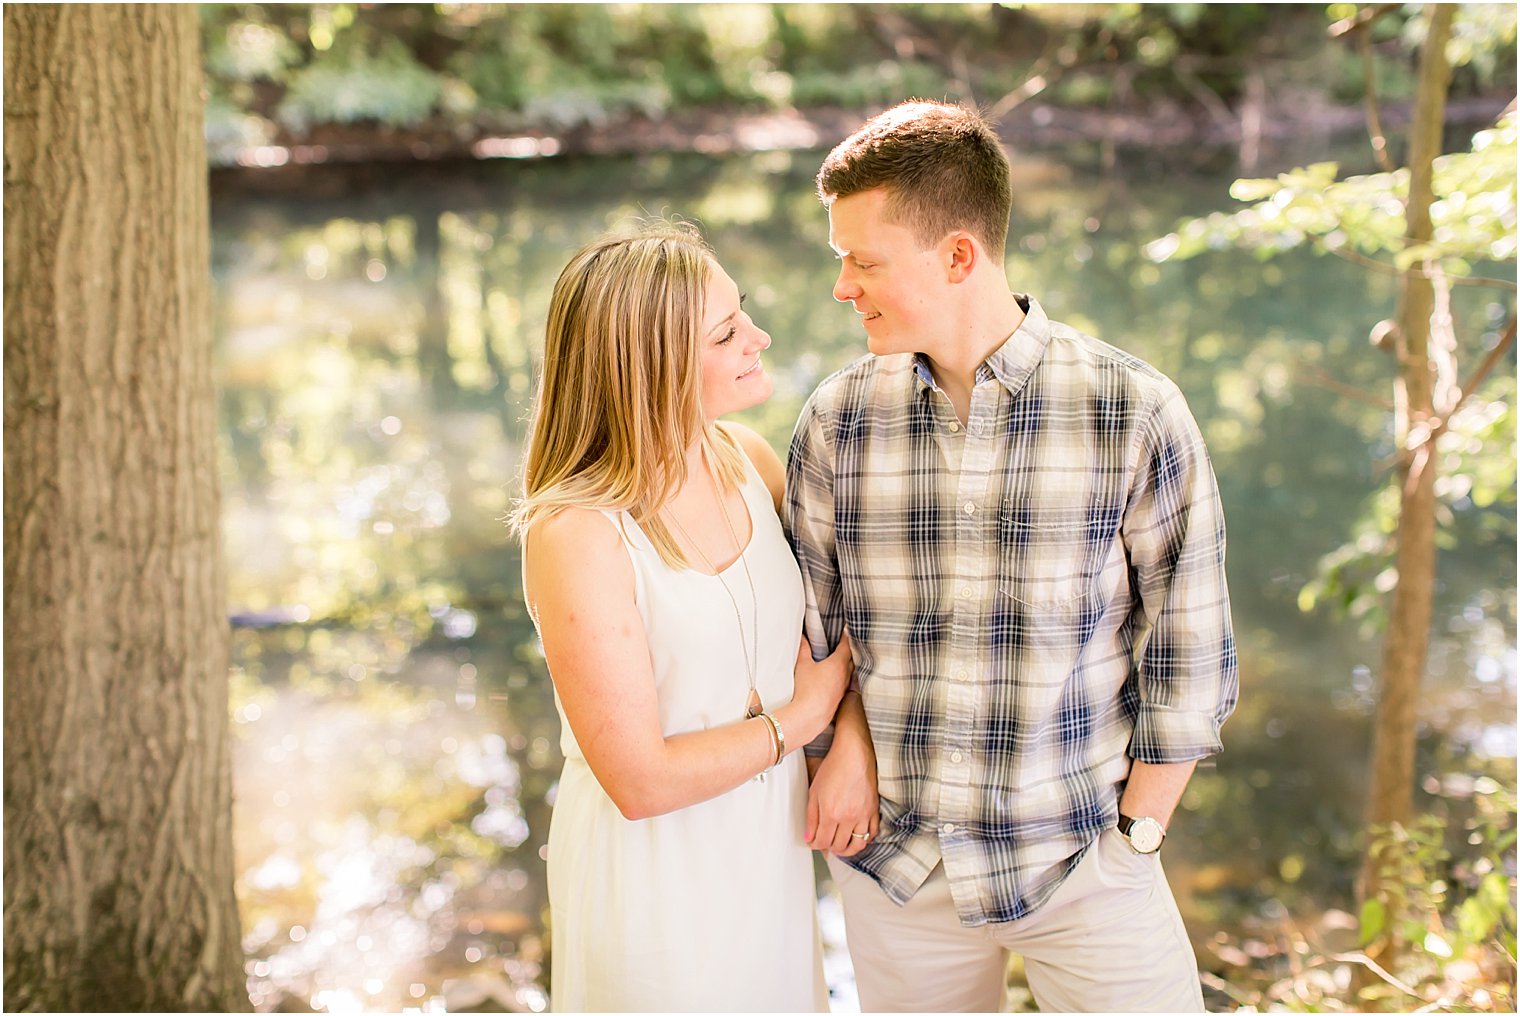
point(1145, 835)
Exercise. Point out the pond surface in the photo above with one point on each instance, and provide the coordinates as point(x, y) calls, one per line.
point(397, 746)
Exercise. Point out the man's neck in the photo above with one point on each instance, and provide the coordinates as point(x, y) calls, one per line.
point(954, 360)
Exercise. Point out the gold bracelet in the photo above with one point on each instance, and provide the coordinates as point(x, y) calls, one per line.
point(774, 729)
point(780, 739)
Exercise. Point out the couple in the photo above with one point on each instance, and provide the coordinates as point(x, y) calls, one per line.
point(1007, 562)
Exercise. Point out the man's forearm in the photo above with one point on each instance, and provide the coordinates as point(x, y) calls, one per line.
point(1154, 789)
point(849, 726)
point(850, 717)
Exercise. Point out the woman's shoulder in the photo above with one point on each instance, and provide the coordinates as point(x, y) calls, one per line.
point(571, 551)
point(573, 532)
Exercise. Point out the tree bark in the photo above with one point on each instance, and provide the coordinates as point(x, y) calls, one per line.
point(1391, 797)
point(118, 794)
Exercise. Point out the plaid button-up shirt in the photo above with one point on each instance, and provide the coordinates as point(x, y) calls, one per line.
point(1036, 598)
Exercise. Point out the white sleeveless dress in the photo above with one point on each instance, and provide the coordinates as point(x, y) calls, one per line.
point(711, 907)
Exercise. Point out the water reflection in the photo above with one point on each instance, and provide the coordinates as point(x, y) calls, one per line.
point(396, 738)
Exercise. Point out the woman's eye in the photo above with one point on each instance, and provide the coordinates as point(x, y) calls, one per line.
point(728, 336)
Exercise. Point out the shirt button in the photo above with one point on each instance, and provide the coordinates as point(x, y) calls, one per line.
point(961, 675)
point(965, 592)
point(955, 428)
point(955, 756)
point(947, 828)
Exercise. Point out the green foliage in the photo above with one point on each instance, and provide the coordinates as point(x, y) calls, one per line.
point(868, 85)
point(1473, 220)
point(1473, 217)
point(1476, 476)
point(244, 50)
point(490, 66)
point(1355, 577)
point(1444, 912)
point(1482, 38)
point(1438, 935)
point(1214, 36)
point(571, 64)
point(360, 79)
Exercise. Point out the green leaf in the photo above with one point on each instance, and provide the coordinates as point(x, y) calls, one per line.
point(1254, 190)
point(1374, 920)
point(1475, 919)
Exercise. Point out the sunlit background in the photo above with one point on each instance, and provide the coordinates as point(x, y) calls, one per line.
point(397, 745)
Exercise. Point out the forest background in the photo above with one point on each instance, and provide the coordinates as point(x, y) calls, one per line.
point(392, 188)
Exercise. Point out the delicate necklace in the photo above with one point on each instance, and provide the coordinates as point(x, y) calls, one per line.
point(753, 706)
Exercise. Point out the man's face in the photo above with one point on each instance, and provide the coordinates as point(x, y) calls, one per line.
point(896, 287)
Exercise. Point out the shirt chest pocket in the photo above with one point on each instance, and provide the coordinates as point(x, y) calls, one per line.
point(1050, 553)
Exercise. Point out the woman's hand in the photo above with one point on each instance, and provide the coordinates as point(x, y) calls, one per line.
point(818, 687)
point(843, 813)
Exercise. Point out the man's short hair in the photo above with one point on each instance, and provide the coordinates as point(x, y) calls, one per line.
point(942, 165)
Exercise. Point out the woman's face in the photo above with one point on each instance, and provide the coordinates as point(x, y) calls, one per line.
point(733, 378)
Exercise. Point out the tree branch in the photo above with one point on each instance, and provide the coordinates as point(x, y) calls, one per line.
point(1359, 21)
point(1371, 964)
point(1442, 347)
point(1047, 70)
point(1318, 377)
point(1374, 120)
point(1477, 377)
point(1357, 257)
point(1207, 97)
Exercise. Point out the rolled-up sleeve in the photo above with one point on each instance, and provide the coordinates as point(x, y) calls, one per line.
point(1188, 675)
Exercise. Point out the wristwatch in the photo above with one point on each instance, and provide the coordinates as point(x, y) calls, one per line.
point(1144, 834)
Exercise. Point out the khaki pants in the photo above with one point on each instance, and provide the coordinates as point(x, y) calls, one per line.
point(1109, 940)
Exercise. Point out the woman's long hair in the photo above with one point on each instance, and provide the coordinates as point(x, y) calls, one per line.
point(620, 395)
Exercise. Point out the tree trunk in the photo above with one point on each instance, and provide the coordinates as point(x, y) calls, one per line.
point(118, 795)
point(1391, 798)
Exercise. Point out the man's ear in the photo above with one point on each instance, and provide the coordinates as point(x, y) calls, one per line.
point(961, 255)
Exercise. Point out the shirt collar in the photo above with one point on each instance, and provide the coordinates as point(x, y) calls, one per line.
point(1013, 361)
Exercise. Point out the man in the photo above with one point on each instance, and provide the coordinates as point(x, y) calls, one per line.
point(1020, 527)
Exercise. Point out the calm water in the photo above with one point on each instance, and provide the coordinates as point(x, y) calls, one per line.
point(396, 746)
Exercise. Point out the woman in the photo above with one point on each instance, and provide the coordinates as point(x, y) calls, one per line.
point(670, 610)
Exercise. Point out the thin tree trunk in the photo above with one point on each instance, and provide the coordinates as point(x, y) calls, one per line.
point(1391, 798)
point(118, 840)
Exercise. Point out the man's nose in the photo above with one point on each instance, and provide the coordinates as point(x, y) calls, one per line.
point(845, 288)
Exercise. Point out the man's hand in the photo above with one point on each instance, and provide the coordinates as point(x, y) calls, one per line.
point(842, 800)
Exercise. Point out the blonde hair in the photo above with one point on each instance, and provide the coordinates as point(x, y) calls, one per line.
point(619, 397)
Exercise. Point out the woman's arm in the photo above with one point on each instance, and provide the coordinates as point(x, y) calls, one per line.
point(842, 795)
point(580, 591)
